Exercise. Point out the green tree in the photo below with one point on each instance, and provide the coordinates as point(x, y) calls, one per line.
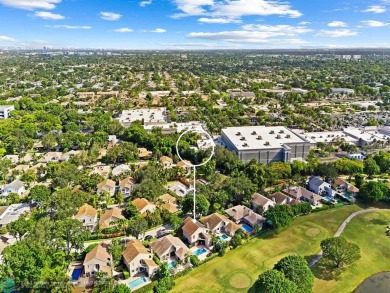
point(131, 210)
point(73, 233)
point(175, 221)
point(121, 288)
point(137, 226)
point(19, 227)
point(294, 268)
point(359, 180)
point(374, 191)
point(202, 204)
point(40, 194)
point(194, 260)
point(371, 167)
point(164, 285)
point(326, 171)
point(280, 216)
point(273, 281)
point(338, 252)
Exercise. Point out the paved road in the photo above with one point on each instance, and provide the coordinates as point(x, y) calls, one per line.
point(341, 229)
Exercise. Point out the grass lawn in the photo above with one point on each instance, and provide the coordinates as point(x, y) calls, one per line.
point(239, 269)
point(368, 231)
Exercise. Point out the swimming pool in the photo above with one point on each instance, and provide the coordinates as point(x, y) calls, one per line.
point(223, 237)
point(171, 265)
point(76, 274)
point(138, 282)
point(246, 228)
point(329, 199)
point(200, 251)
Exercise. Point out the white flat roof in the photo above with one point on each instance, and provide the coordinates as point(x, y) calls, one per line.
point(248, 137)
point(364, 135)
point(153, 115)
point(328, 136)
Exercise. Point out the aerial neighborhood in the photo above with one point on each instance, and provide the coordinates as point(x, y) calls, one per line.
point(95, 181)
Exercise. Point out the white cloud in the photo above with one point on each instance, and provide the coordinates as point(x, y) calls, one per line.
point(375, 23)
point(254, 33)
point(31, 4)
point(48, 15)
point(70, 27)
point(376, 9)
point(337, 33)
point(7, 39)
point(123, 30)
point(303, 22)
point(157, 30)
point(111, 16)
point(234, 9)
point(337, 23)
point(145, 3)
point(218, 20)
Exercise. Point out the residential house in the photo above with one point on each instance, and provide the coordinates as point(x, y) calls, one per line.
point(101, 170)
point(167, 162)
point(343, 187)
point(126, 186)
point(15, 186)
point(19, 170)
point(170, 247)
point(219, 224)
point(261, 204)
point(88, 216)
point(169, 203)
point(12, 213)
point(106, 186)
point(97, 260)
point(320, 187)
point(51, 157)
point(242, 213)
point(186, 165)
point(65, 157)
point(301, 193)
point(144, 154)
point(27, 158)
point(138, 259)
point(178, 188)
point(196, 233)
point(280, 198)
point(120, 169)
point(110, 217)
point(13, 158)
point(144, 206)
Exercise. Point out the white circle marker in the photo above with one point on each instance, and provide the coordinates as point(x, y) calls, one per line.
point(189, 164)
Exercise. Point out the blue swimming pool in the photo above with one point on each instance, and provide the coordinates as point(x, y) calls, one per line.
point(200, 251)
point(223, 237)
point(76, 274)
point(138, 282)
point(246, 228)
point(171, 265)
point(329, 199)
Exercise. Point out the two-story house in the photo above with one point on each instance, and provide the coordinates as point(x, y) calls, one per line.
point(261, 204)
point(170, 247)
point(144, 206)
point(219, 224)
point(97, 260)
point(88, 216)
point(110, 218)
point(138, 259)
point(196, 233)
point(320, 187)
point(108, 186)
point(126, 186)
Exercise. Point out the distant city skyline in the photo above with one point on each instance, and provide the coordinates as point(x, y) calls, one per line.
point(194, 24)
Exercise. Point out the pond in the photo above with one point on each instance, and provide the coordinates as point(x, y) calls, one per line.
point(378, 283)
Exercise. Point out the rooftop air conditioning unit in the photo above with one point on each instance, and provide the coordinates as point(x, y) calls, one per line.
point(238, 133)
point(253, 133)
point(271, 132)
point(259, 137)
point(266, 143)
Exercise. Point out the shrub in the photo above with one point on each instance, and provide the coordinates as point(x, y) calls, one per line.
point(3, 230)
point(194, 260)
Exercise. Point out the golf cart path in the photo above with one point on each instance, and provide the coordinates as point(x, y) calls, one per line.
point(341, 229)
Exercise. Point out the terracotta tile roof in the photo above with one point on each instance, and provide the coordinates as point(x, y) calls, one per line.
point(238, 212)
point(183, 164)
point(279, 197)
point(340, 181)
point(99, 252)
point(106, 185)
point(213, 220)
point(162, 245)
point(260, 200)
point(167, 198)
point(140, 203)
point(170, 207)
point(133, 249)
point(86, 210)
point(352, 188)
point(127, 182)
point(190, 227)
point(232, 227)
point(166, 159)
point(150, 263)
point(109, 216)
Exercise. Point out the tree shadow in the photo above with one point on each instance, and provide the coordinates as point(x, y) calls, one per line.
point(324, 271)
point(252, 289)
point(379, 222)
point(309, 258)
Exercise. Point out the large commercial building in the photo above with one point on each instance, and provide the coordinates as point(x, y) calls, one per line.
point(265, 144)
point(152, 116)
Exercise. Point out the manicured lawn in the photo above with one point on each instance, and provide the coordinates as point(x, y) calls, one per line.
point(368, 231)
point(239, 269)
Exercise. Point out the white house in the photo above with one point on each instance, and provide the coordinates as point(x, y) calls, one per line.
point(320, 187)
point(261, 204)
point(88, 216)
point(120, 169)
point(15, 186)
point(126, 186)
point(97, 260)
point(144, 206)
point(196, 233)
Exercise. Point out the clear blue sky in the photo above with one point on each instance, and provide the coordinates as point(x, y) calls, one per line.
point(194, 24)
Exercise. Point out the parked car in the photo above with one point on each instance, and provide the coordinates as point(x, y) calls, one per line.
point(148, 237)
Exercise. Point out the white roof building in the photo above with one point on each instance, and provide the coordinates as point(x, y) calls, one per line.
point(153, 116)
